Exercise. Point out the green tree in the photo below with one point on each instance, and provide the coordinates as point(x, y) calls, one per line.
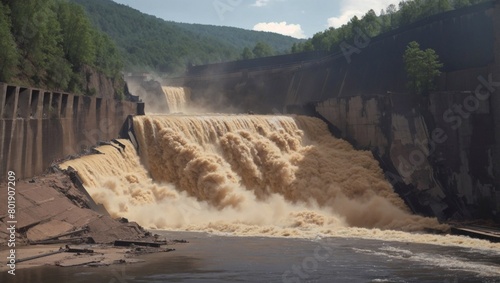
point(409, 12)
point(262, 49)
point(9, 57)
point(57, 68)
point(443, 6)
point(460, 3)
point(370, 24)
point(422, 68)
point(79, 46)
point(321, 41)
point(108, 59)
point(247, 53)
point(46, 43)
point(149, 43)
point(308, 46)
point(38, 36)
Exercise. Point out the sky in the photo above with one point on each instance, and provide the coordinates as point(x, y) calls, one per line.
point(297, 18)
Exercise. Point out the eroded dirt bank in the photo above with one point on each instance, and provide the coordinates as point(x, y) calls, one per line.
point(52, 215)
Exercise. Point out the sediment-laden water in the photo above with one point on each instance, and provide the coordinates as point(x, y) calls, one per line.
point(211, 258)
point(271, 176)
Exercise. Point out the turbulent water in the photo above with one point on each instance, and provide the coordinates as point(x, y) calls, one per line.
point(177, 98)
point(268, 165)
point(211, 258)
point(249, 175)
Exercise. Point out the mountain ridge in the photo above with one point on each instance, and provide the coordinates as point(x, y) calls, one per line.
point(151, 43)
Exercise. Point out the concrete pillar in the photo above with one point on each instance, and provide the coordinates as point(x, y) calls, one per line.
point(90, 129)
point(46, 104)
point(28, 147)
point(76, 107)
point(36, 104)
point(51, 126)
point(11, 101)
point(69, 106)
point(64, 105)
point(3, 94)
point(16, 146)
point(23, 109)
point(55, 105)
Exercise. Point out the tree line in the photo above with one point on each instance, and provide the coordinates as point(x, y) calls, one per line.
point(49, 44)
point(150, 43)
point(371, 25)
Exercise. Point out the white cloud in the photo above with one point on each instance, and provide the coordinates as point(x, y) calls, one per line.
point(292, 30)
point(261, 3)
point(351, 8)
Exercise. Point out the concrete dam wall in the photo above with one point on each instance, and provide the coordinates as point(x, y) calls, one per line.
point(441, 152)
point(441, 166)
point(38, 126)
point(465, 40)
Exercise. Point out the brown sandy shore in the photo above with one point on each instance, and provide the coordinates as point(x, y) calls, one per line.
point(50, 213)
point(102, 255)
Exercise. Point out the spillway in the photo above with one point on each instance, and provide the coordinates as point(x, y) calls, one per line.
point(282, 176)
point(177, 98)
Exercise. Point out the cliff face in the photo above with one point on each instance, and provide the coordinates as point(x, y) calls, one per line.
point(99, 84)
point(442, 152)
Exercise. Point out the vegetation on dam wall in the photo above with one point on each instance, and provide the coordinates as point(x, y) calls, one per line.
point(422, 68)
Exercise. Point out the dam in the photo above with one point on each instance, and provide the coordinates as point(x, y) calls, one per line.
point(248, 175)
point(440, 152)
point(40, 126)
point(380, 172)
point(251, 188)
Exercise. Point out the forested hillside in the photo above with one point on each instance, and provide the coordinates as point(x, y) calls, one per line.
point(148, 42)
point(371, 25)
point(241, 38)
point(52, 44)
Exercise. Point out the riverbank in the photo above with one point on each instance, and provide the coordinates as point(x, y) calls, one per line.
point(86, 255)
point(216, 258)
point(49, 221)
